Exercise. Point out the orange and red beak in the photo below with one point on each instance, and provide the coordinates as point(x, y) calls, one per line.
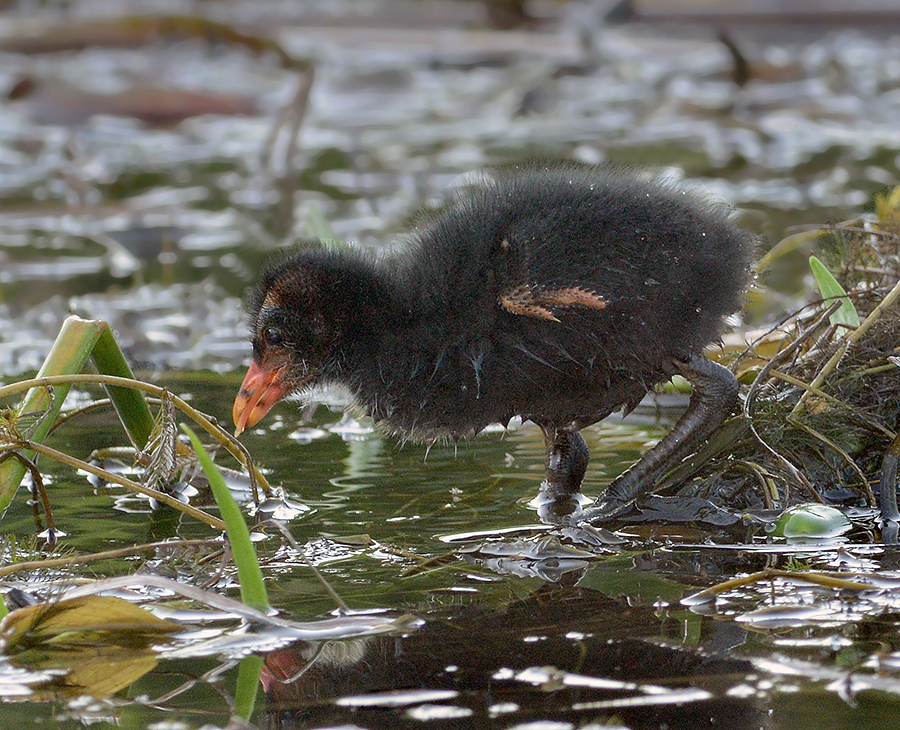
point(262, 388)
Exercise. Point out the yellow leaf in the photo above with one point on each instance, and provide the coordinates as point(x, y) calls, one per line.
point(79, 620)
point(99, 644)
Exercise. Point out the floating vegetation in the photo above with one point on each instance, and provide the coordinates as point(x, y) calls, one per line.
point(824, 387)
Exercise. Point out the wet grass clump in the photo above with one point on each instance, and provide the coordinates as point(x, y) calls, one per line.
point(823, 401)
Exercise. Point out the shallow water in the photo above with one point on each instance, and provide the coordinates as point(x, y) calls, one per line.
point(449, 536)
point(159, 230)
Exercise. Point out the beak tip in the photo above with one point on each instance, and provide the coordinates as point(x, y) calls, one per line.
point(243, 416)
point(239, 415)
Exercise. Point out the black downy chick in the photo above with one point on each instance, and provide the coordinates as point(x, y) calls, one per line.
point(555, 292)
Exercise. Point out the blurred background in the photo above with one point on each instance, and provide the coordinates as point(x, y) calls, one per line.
point(153, 153)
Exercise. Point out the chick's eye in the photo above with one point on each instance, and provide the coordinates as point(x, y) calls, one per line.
point(273, 336)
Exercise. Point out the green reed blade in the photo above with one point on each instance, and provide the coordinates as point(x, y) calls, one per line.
point(829, 288)
point(253, 590)
point(129, 403)
point(68, 355)
point(247, 685)
point(78, 340)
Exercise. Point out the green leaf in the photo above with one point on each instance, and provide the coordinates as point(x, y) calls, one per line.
point(253, 590)
point(130, 404)
point(829, 288)
point(247, 685)
point(78, 340)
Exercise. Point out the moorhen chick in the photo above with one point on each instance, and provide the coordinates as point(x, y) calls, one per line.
point(555, 292)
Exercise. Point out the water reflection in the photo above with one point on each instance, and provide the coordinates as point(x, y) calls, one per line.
point(563, 655)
